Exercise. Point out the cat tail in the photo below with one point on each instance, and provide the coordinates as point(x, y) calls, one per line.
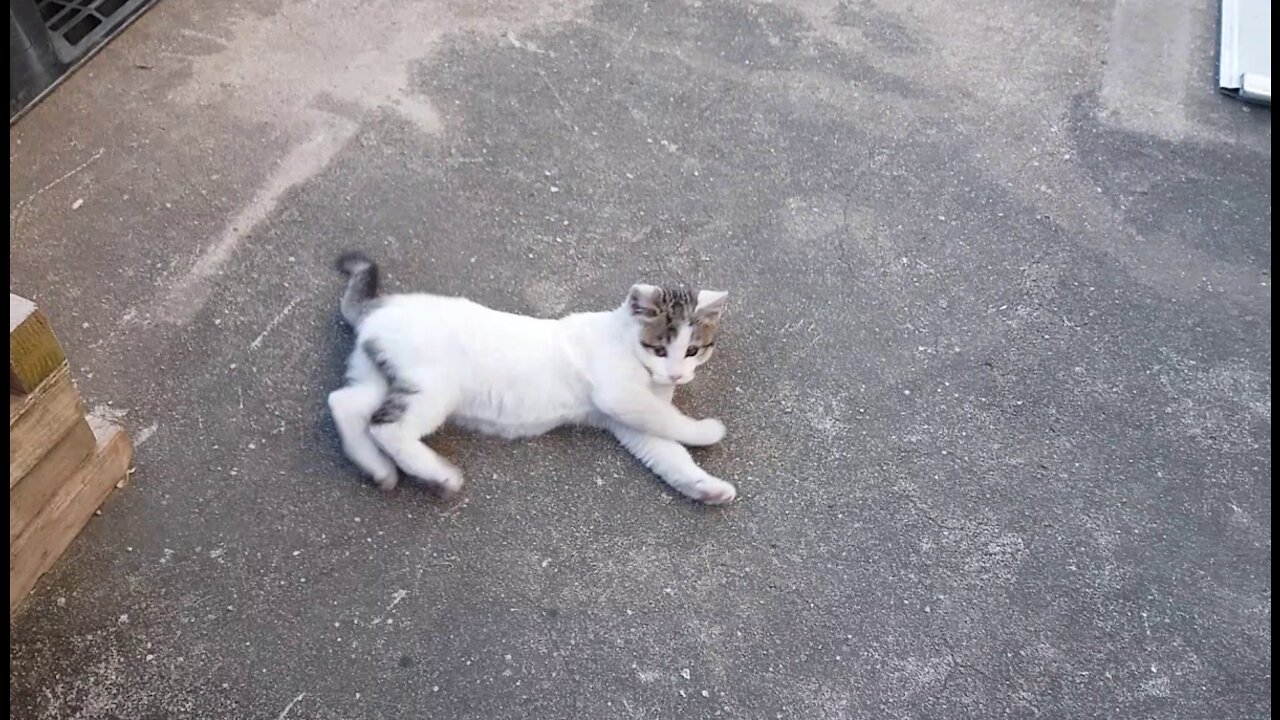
point(362, 285)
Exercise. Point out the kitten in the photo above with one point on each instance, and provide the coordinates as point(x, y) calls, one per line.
point(421, 360)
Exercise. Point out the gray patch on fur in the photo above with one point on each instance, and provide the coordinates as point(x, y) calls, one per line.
point(380, 361)
point(665, 311)
point(704, 332)
point(391, 409)
point(398, 391)
point(361, 292)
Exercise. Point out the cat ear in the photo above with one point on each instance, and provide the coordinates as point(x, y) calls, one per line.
point(710, 305)
point(643, 300)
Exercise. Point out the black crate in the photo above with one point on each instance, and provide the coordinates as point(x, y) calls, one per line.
point(77, 26)
point(49, 38)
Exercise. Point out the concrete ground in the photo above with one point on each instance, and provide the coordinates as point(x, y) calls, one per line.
point(997, 369)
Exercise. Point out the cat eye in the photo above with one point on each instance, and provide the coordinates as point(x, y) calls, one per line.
point(695, 349)
point(658, 350)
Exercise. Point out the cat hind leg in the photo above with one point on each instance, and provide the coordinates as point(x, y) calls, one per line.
point(352, 407)
point(399, 426)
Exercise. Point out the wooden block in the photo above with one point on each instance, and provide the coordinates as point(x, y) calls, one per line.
point(32, 493)
point(39, 420)
point(34, 352)
point(67, 512)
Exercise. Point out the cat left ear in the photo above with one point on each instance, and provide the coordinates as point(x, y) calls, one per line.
point(643, 300)
point(710, 304)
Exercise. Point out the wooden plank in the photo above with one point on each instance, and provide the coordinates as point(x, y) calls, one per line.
point(67, 512)
point(40, 420)
point(34, 352)
point(32, 493)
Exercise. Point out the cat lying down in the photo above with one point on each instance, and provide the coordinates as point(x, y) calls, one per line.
point(422, 360)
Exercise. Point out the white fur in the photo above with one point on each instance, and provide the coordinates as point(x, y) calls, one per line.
point(516, 376)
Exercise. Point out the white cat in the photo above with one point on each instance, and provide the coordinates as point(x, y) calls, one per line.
point(421, 360)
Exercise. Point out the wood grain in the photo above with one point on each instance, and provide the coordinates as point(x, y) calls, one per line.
point(34, 351)
point(32, 493)
point(57, 524)
point(38, 421)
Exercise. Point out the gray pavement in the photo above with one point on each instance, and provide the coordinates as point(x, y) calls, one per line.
point(996, 370)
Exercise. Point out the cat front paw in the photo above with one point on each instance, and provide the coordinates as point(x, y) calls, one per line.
point(706, 432)
point(714, 491)
point(387, 482)
point(449, 480)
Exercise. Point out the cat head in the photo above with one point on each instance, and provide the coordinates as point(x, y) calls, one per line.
point(676, 330)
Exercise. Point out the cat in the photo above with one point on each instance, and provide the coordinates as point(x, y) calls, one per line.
point(421, 360)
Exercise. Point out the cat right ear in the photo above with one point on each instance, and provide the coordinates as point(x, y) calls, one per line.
point(710, 305)
point(642, 301)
